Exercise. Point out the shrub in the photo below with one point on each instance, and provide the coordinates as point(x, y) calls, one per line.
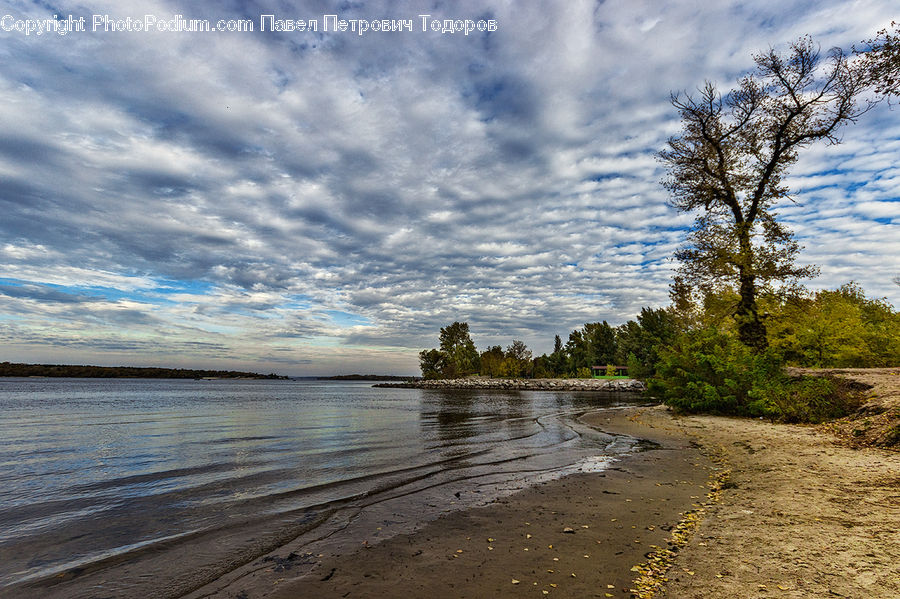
point(709, 371)
point(813, 399)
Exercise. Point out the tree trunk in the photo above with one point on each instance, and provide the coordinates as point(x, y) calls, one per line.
point(751, 329)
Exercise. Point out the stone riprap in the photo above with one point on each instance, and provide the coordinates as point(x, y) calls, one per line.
point(524, 384)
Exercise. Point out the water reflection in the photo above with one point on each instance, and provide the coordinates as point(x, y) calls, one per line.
point(453, 418)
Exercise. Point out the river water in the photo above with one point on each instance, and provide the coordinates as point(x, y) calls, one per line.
point(137, 488)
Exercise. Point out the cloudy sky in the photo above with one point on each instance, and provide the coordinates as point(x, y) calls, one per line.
point(323, 202)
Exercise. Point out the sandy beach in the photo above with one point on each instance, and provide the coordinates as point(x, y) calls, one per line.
point(797, 515)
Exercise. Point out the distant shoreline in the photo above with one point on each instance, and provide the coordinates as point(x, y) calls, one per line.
point(366, 377)
point(8, 369)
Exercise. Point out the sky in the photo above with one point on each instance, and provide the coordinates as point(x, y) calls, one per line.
point(323, 202)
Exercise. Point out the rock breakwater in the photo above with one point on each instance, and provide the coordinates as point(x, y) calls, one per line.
point(523, 384)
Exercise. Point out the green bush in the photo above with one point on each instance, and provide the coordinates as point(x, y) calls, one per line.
point(709, 371)
point(712, 372)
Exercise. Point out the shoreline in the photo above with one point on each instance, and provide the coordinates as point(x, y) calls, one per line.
point(478, 383)
point(799, 516)
point(595, 526)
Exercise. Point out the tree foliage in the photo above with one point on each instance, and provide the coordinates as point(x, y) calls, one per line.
point(460, 352)
point(836, 328)
point(516, 361)
point(456, 357)
point(432, 363)
point(729, 162)
point(881, 60)
point(492, 361)
point(640, 342)
point(592, 345)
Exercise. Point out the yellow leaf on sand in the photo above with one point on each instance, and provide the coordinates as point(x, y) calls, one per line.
point(490, 540)
point(527, 536)
point(554, 585)
point(514, 581)
point(610, 586)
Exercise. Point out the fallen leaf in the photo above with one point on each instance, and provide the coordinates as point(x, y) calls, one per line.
point(527, 536)
point(554, 585)
point(514, 581)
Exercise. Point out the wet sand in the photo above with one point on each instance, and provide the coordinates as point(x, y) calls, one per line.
point(579, 536)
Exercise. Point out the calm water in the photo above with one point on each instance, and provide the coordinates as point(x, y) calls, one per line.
point(154, 487)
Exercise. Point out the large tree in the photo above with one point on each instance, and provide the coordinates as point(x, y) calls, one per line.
point(728, 163)
point(461, 356)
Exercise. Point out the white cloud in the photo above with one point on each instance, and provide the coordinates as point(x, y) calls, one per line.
point(410, 179)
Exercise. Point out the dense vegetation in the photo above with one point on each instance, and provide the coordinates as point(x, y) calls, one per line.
point(635, 345)
point(114, 372)
point(691, 355)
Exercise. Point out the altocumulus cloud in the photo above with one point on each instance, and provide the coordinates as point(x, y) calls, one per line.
point(323, 201)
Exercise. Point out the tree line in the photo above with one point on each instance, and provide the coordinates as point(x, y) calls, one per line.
point(113, 372)
point(633, 345)
point(836, 328)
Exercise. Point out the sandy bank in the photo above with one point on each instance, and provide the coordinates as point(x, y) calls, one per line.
point(804, 516)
